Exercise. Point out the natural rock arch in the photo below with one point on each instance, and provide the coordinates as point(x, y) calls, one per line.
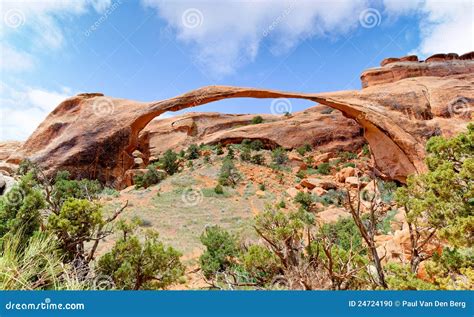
point(93, 136)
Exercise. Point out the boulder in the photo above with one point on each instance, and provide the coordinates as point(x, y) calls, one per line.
point(138, 162)
point(318, 191)
point(344, 173)
point(353, 181)
point(322, 158)
point(137, 153)
point(6, 183)
point(311, 183)
point(292, 192)
point(3, 184)
point(8, 169)
point(295, 161)
point(332, 215)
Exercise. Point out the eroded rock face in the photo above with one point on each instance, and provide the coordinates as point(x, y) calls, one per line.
point(7, 148)
point(318, 126)
point(94, 136)
point(439, 65)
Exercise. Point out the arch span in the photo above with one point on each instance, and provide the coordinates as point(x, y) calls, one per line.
point(93, 136)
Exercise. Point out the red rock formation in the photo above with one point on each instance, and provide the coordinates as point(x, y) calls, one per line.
point(94, 136)
point(7, 148)
point(439, 65)
point(316, 126)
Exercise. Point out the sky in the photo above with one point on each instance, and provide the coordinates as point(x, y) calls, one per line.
point(151, 50)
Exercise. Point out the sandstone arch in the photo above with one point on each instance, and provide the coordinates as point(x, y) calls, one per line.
point(93, 136)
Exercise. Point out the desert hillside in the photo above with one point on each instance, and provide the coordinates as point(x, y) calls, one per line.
point(259, 189)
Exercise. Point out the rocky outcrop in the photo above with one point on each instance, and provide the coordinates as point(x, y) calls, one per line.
point(439, 65)
point(94, 136)
point(318, 126)
point(7, 148)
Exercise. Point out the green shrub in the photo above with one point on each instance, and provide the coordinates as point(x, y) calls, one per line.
point(260, 263)
point(304, 199)
point(332, 197)
point(20, 210)
point(221, 250)
point(303, 149)
point(135, 265)
point(193, 152)
point(256, 145)
point(228, 175)
point(281, 204)
point(245, 154)
point(257, 159)
point(385, 225)
point(219, 189)
point(246, 143)
point(279, 156)
point(348, 156)
point(219, 150)
point(387, 190)
point(68, 225)
point(301, 174)
point(230, 153)
point(324, 169)
point(169, 162)
point(344, 233)
point(366, 150)
point(261, 186)
point(65, 188)
point(257, 120)
point(107, 191)
point(151, 177)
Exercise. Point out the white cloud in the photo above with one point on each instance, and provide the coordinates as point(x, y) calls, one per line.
point(45, 100)
point(13, 60)
point(228, 34)
point(24, 108)
point(445, 26)
point(165, 115)
point(449, 27)
point(38, 25)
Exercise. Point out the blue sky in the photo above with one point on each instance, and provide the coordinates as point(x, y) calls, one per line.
point(150, 50)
